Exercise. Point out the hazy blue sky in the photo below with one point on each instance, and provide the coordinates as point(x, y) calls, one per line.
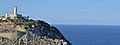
point(97, 12)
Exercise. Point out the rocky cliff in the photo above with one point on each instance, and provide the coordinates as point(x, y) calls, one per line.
point(20, 30)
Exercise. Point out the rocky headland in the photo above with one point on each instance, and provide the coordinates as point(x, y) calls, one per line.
point(16, 29)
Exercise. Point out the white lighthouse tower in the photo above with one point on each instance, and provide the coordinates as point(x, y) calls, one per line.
point(15, 11)
point(14, 14)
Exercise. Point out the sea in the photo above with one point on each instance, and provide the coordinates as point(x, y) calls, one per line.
point(91, 34)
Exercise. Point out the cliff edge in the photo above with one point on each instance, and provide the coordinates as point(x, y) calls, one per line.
point(16, 29)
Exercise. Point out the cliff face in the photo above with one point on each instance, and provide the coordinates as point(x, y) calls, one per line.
point(21, 30)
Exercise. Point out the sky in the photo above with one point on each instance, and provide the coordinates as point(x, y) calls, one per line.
point(84, 12)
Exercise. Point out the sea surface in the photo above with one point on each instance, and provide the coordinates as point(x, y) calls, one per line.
point(91, 34)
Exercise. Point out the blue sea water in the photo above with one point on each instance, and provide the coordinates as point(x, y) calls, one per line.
point(91, 34)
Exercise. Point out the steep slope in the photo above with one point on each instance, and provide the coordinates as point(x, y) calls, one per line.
point(20, 30)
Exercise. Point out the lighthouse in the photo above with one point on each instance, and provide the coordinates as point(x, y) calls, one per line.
point(15, 11)
point(14, 14)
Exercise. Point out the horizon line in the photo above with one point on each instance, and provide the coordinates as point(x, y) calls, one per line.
point(88, 24)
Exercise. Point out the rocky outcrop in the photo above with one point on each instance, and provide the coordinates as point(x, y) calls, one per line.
point(20, 30)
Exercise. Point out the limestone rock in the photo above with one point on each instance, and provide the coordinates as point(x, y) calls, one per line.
point(20, 30)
